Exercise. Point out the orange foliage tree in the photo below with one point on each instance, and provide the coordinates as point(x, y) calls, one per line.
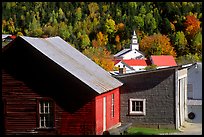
point(101, 56)
point(192, 25)
point(100, 41)
point(157, 44)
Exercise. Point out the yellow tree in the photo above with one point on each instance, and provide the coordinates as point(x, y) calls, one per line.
point(101, 56)
point(157, 44)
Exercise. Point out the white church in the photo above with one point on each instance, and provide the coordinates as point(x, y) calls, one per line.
point(132, 52)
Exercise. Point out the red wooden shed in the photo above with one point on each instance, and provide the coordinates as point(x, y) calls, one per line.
point(49, 87)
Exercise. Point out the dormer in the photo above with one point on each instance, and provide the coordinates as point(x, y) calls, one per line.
point(134, 42)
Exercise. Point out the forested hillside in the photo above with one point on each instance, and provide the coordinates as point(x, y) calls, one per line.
point(101, 29)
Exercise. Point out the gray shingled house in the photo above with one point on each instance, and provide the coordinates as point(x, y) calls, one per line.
point(154, 98)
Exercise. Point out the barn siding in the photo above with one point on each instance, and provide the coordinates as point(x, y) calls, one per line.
point(81, 122)
point(110, 121)
point(21, 112)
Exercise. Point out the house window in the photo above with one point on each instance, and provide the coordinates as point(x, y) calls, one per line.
point(112, 105)
point(46, 117)
point(137, 107)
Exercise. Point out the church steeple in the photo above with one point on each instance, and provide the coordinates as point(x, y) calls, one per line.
point(134, 43)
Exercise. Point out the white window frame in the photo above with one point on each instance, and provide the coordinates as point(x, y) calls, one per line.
point(131, 112)
point(112, 105)
point(44, 114)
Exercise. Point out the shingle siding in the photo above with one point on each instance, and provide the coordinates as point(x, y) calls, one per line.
point(159, 91)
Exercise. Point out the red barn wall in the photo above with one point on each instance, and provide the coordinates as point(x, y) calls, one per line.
point(26, 78)
point(81, 122)
point(110, 121)
point(20, 112)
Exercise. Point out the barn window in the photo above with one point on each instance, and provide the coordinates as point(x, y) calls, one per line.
point(137, 107)
point(46, 117)
point(112, 105)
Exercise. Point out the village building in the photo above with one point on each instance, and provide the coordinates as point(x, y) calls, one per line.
point(50, 88)
point(162, 61)
point(8, 37)
point(132, 52)
point(154, 98)
point(195, 92)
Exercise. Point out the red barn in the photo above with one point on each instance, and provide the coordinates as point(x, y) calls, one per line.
point(50, 88)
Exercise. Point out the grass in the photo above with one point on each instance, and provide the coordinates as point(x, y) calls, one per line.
point(148, 131)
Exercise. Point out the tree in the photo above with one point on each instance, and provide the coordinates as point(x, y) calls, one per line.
point(93, 8)
point(100, 56)
point(102, 39)
point(139, 22)
point(109, 26)
point(157, 44)
point(197, 43)
point(151, 67)
point(192, 25)
point(85, 41)
point(64, 31)
point(11, 27)
point(189, 58)
point(78, 14)
point(180, 43)
point(150, 24)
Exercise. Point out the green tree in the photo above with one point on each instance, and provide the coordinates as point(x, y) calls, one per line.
point(197, 43)
point(35, 28)
point(151, 67)
point(85, 41)
point(110, 26)
point(78, 14)
point(150, 24)
point(180, 43)
point(64, 31)
point(189, 58)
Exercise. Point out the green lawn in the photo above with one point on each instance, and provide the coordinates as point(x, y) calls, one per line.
point(148, 131)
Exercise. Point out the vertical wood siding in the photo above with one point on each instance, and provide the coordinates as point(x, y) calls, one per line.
point(110, 121)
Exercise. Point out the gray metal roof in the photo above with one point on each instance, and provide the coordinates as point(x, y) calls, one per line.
point(122, 52)
point(5, 35)
point(75, 62)
point(193, 102)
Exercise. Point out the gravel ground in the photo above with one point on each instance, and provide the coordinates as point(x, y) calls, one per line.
point(188, 129)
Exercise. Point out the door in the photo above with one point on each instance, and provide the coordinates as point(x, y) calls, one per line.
point(104, 113)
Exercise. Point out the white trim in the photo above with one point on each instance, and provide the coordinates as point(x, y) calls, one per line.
point(112, 105)
point(44, 113)
point(104, 113)
point(137, 112)
point(180, 77)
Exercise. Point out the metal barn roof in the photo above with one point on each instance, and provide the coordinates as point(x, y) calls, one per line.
point(74, 62)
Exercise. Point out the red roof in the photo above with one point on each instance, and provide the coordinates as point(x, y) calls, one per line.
point(116, 61)
point(136, 62)
point(163, 60)
point(13, 36)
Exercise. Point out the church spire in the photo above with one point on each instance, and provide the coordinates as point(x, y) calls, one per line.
point(134, 43)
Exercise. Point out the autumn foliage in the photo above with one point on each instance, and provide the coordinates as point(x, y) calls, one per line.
point(192, 25)
point(100, 56)
point(157, 44)
point(100, 41)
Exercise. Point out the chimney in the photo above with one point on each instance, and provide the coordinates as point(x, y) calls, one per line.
point(122, 70)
